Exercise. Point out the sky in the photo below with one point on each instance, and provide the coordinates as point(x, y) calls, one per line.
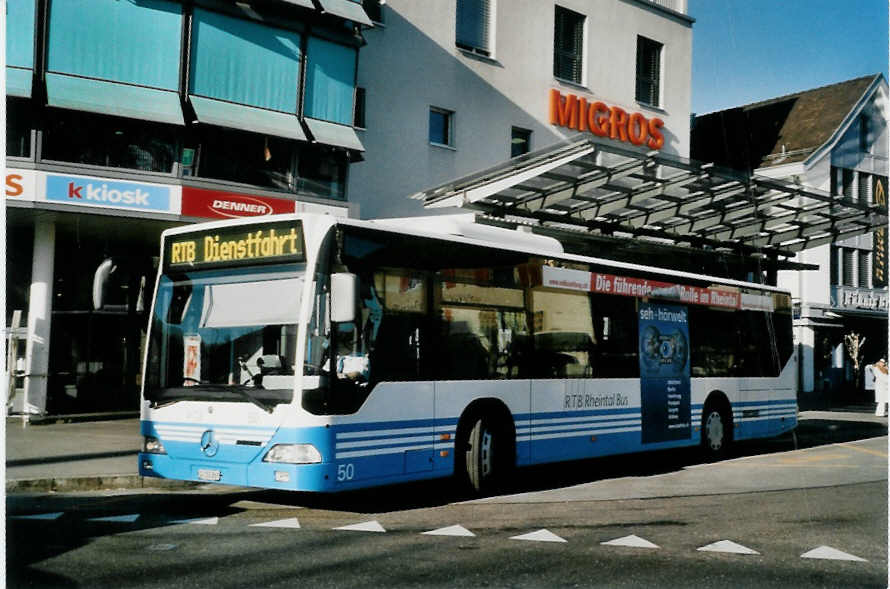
point(744, 51)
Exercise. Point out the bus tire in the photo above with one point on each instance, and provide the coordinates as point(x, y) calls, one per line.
point(716, 430)
point(484, 457)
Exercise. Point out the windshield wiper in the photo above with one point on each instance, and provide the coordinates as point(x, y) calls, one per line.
point(238, 390)
point(242, 392)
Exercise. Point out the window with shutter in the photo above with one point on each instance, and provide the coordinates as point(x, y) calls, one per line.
point(864, 188)
point(834, 265)
point(864, 268)
point(849, 255)
point(847, 182)
point(520, 141)
point(473, 26)
point(648, 71)
point(568, 45)
point(863, 134)
point(374, 10)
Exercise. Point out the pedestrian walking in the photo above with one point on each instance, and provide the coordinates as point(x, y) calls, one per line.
point(881, 396)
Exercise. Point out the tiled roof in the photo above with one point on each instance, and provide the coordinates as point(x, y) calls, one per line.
point(778, 131)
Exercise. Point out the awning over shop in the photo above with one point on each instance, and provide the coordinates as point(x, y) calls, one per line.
point(247, 118)
point(18, 82)
point(111, 98)
point(304, 3)
point(334, 134)
point(348, 9)
point(589, 187)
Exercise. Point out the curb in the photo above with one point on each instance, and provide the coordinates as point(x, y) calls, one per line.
point(73, 418)
point(94, 483)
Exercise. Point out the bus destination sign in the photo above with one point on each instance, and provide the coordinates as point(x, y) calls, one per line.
point(245, 244)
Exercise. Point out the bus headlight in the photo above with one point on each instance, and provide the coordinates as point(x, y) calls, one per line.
point(152, 445)
point(293, 454)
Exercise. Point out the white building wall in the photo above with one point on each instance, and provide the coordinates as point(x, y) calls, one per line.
point(812, 289)
point(411, 63)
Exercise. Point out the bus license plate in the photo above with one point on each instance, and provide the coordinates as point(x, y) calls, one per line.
point(206, 474)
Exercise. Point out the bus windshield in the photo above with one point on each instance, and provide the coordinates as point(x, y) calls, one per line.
point(225, 336)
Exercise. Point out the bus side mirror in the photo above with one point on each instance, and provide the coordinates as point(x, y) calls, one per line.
point(344, 296)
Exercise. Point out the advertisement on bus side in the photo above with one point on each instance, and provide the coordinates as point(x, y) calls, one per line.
point(665, 383)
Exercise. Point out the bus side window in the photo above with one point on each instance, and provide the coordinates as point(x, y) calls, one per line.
point(714, 339)
point(616, 332)
point(564, 339)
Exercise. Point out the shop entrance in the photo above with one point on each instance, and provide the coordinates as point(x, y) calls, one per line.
point(95, 356)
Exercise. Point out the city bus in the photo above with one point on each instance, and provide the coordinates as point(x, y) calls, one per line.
point(318, 354)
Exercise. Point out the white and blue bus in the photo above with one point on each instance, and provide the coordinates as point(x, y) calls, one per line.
point(311, 353)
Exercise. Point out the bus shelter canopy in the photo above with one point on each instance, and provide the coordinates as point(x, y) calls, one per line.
point(591, 187)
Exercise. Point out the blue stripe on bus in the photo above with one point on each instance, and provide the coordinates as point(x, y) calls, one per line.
point(386, 452)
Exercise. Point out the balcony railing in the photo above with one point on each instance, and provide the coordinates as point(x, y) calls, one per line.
point(852, 298)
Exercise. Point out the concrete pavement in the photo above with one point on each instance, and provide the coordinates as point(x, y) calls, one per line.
point(92, 455)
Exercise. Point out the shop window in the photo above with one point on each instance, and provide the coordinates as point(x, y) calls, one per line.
point(19, 122)
point(109, 141)
point(321, 172)
point(568, 45)
point(474, 18)
point(441, 126)
point(358, 119)
point(648, 71)
point(247, 158)
point(520, 141)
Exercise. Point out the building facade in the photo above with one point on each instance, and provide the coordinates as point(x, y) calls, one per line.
point(833, 139)
point(455, 86)
point(126, 118)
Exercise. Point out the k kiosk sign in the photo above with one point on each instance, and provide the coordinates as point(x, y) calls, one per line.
point(112, 194)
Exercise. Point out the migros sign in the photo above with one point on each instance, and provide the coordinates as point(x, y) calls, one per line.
point(575, 112)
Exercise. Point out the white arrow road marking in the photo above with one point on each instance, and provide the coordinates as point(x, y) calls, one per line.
point(42, 516)
point(282, 523)
point(372, 526)
point(631, 541)
point(540, 536)
point(116, 518)
point(210, 521)
point(829, 553)
point(457, 530)
point(727, 546)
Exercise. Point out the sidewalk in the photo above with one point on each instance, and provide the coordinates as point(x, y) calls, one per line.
point(93, 455)
point(77, 456)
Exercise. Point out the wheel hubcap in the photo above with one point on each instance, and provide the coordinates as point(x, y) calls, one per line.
point(714, 431)
point(485, 453)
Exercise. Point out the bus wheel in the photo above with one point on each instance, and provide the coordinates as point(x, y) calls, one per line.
point(715, 432)
point(484, 456)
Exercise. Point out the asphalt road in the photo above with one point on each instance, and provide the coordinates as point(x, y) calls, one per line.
point(815, 516)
